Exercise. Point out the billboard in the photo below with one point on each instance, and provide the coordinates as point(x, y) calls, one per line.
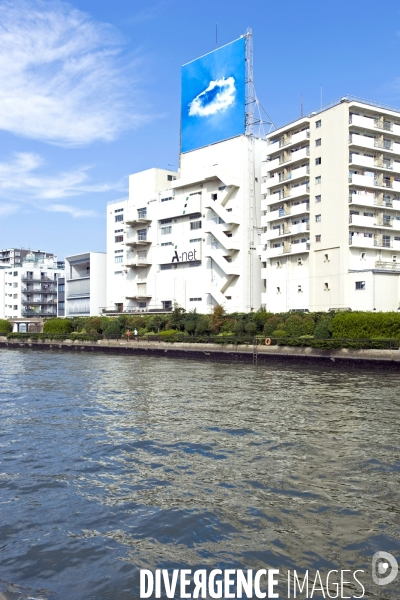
point(180, 253)
point(213, 97)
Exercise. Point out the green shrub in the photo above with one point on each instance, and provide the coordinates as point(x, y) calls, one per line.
point(250, 328)
point(297, 326)
point(366, 325)
point(5, 326)
point(168, 332)
point(279, 333)
point(272, 324)
point(323, 329)
point(57, 325)
point(114, 328)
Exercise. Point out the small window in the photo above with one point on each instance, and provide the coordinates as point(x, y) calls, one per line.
point(166, 230)
point(61, 287)
point(214, 196)
point(142, 304)
point(318, 218)
point(394, 258)
point(326, 286)
point(194, 240)
point(15, 307)
point(362, 256)
point(278, 290)
point(118, 259)
point(318, 124)
point(317, 198)
point(195, 216)
point(117, 272)
point(119, 238)
point(278, 264)
point(299, 290)
point(300, 261)
point(118, 231)
point(118, 210)
point(61, 305)
point(170, 178)
point(360, 285)
point(195, 225)
point(166, 244)
point(318, 161)
point(326, 257)
point(165, 221)
point(195, 299)
point(166, 304)
point(15, 284)
point(317, 238)
point(118, 251)
point(15, 296)
point(318, 142)
point(15, 273)
point(119, 218)
point(142, 213)
point(165, 267)
point(318, 180)
point(195, 263)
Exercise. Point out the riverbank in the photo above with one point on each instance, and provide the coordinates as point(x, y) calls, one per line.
point(255, 354)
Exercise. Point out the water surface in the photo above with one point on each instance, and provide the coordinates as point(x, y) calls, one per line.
point(110, 464)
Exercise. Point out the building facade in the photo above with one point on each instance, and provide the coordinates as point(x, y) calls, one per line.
point(331, 211)
point(190, 237)
point(14, 257)
point(30, 289)
point(84, 288)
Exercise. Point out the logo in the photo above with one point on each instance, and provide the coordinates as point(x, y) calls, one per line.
point(384, 568)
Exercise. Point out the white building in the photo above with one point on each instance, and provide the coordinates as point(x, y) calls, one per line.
point(331, 211)
point(189, 237)
point(84, 291)
point(30, 289)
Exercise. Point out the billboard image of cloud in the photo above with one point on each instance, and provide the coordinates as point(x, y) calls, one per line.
point(213, 97)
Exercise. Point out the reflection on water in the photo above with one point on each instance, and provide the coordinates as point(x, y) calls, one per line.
point(110, 464)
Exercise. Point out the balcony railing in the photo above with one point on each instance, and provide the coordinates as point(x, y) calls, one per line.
point(36, 279)
point(386, 125)
point(387, 266)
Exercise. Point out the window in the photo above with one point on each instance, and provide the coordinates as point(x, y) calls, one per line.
point(362, 256)
point(166, 304)
point(166, 244)
point(15, 284)
point(318, 180)
point(118, 251)
point(15, 273)
point(142, 304)
point(360, 285)
point(61, 305)
point(278, 264)
point(278, 290)
point(142, 213)
point(118, 210)
point(15, 296)
point(299, 290)
point(318, 160)
point(318, 124)
point(166, 230)
point(119, 218)
point(195, 216)
point(195, 299)
point(15, 307)
point(195, 225)
point(61, 287)
point(317, 198)
point(326, 286)
point(165, 267)
point(318, 142)
point(117, 272)
point(195, 240)
point(170, 178)
point(317, 238)
point(300, 261)
point(214, 196)
point(326, 257)
point(318, 218)
point(118, 231)
point(18, 254)
point(165, 221)
point(394, 258)
point(166, 199)
point(195, 263)
point(119, 238)
point(142, 235)
point(118, 259)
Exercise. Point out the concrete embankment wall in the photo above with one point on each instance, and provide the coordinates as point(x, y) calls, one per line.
point(261, 355)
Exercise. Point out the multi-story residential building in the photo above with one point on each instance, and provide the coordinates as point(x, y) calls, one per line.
point(30, 290)
point(13, 257)
point(331, 210)
point(84, 287)
point(189, 237)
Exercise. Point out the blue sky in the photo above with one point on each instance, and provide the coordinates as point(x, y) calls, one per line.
point(90, 92)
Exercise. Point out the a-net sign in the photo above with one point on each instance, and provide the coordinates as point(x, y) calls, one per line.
point(213, 97)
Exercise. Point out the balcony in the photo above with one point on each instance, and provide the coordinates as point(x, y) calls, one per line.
point(356, 139)
point(360, 241)
point(138, 221)
point(387, 266)
point(140, 295)
point(77, 277)
point(283, 230)
point(289, 248)
point(283, 212)
point(288, 140)
point(140, 240)
point(48, 289)
point(27, 312)
point(138, 263)
point(38, 302)
point(36, 279)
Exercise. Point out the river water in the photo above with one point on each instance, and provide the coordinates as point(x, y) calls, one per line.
point(110, 464)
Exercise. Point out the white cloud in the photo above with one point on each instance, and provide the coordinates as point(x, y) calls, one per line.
point(62, 79)
point(217, 97)
point(23, 182)
point(74, 212)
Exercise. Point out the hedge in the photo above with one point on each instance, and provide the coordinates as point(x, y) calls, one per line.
point(366, 325)
point(57, 325)
point(5, 326)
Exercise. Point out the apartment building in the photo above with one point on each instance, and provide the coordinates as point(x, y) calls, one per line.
point(30, 289)
point(189, 237)
point(83, 291)
point(13, 257)
point(331, 210)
